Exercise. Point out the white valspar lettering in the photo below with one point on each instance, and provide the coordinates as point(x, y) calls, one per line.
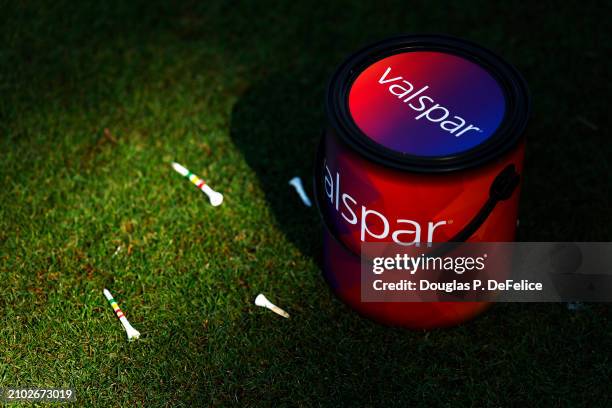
point(435, 113)
point(382, 79)
point(374, 225)
point(353, 219)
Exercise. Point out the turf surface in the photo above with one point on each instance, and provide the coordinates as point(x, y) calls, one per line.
point(97, 98)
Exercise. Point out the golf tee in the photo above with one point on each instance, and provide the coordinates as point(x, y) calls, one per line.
point(262, 301)
point(131, 332)
point(214, 197)
point(296, 182)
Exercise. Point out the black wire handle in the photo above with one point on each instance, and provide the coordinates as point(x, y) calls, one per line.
point(501, 189)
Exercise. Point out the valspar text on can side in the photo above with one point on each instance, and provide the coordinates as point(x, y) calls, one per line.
point(424, 144)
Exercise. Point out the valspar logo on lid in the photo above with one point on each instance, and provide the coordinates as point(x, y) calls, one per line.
point(426, 103)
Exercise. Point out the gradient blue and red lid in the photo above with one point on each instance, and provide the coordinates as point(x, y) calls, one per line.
point(428, 103)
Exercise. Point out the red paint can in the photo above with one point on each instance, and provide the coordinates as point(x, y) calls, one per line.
point(425, 143)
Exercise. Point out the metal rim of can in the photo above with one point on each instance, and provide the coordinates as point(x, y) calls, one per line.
point(506, 136)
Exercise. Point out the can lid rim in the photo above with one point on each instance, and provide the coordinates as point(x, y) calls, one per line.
point(506, 136)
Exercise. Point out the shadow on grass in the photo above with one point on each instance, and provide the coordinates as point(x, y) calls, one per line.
point(276, 125)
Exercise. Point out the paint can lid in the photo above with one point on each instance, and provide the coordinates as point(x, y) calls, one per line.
point(428, 103)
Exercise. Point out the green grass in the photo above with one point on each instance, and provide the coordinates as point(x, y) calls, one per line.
point(235, 93)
